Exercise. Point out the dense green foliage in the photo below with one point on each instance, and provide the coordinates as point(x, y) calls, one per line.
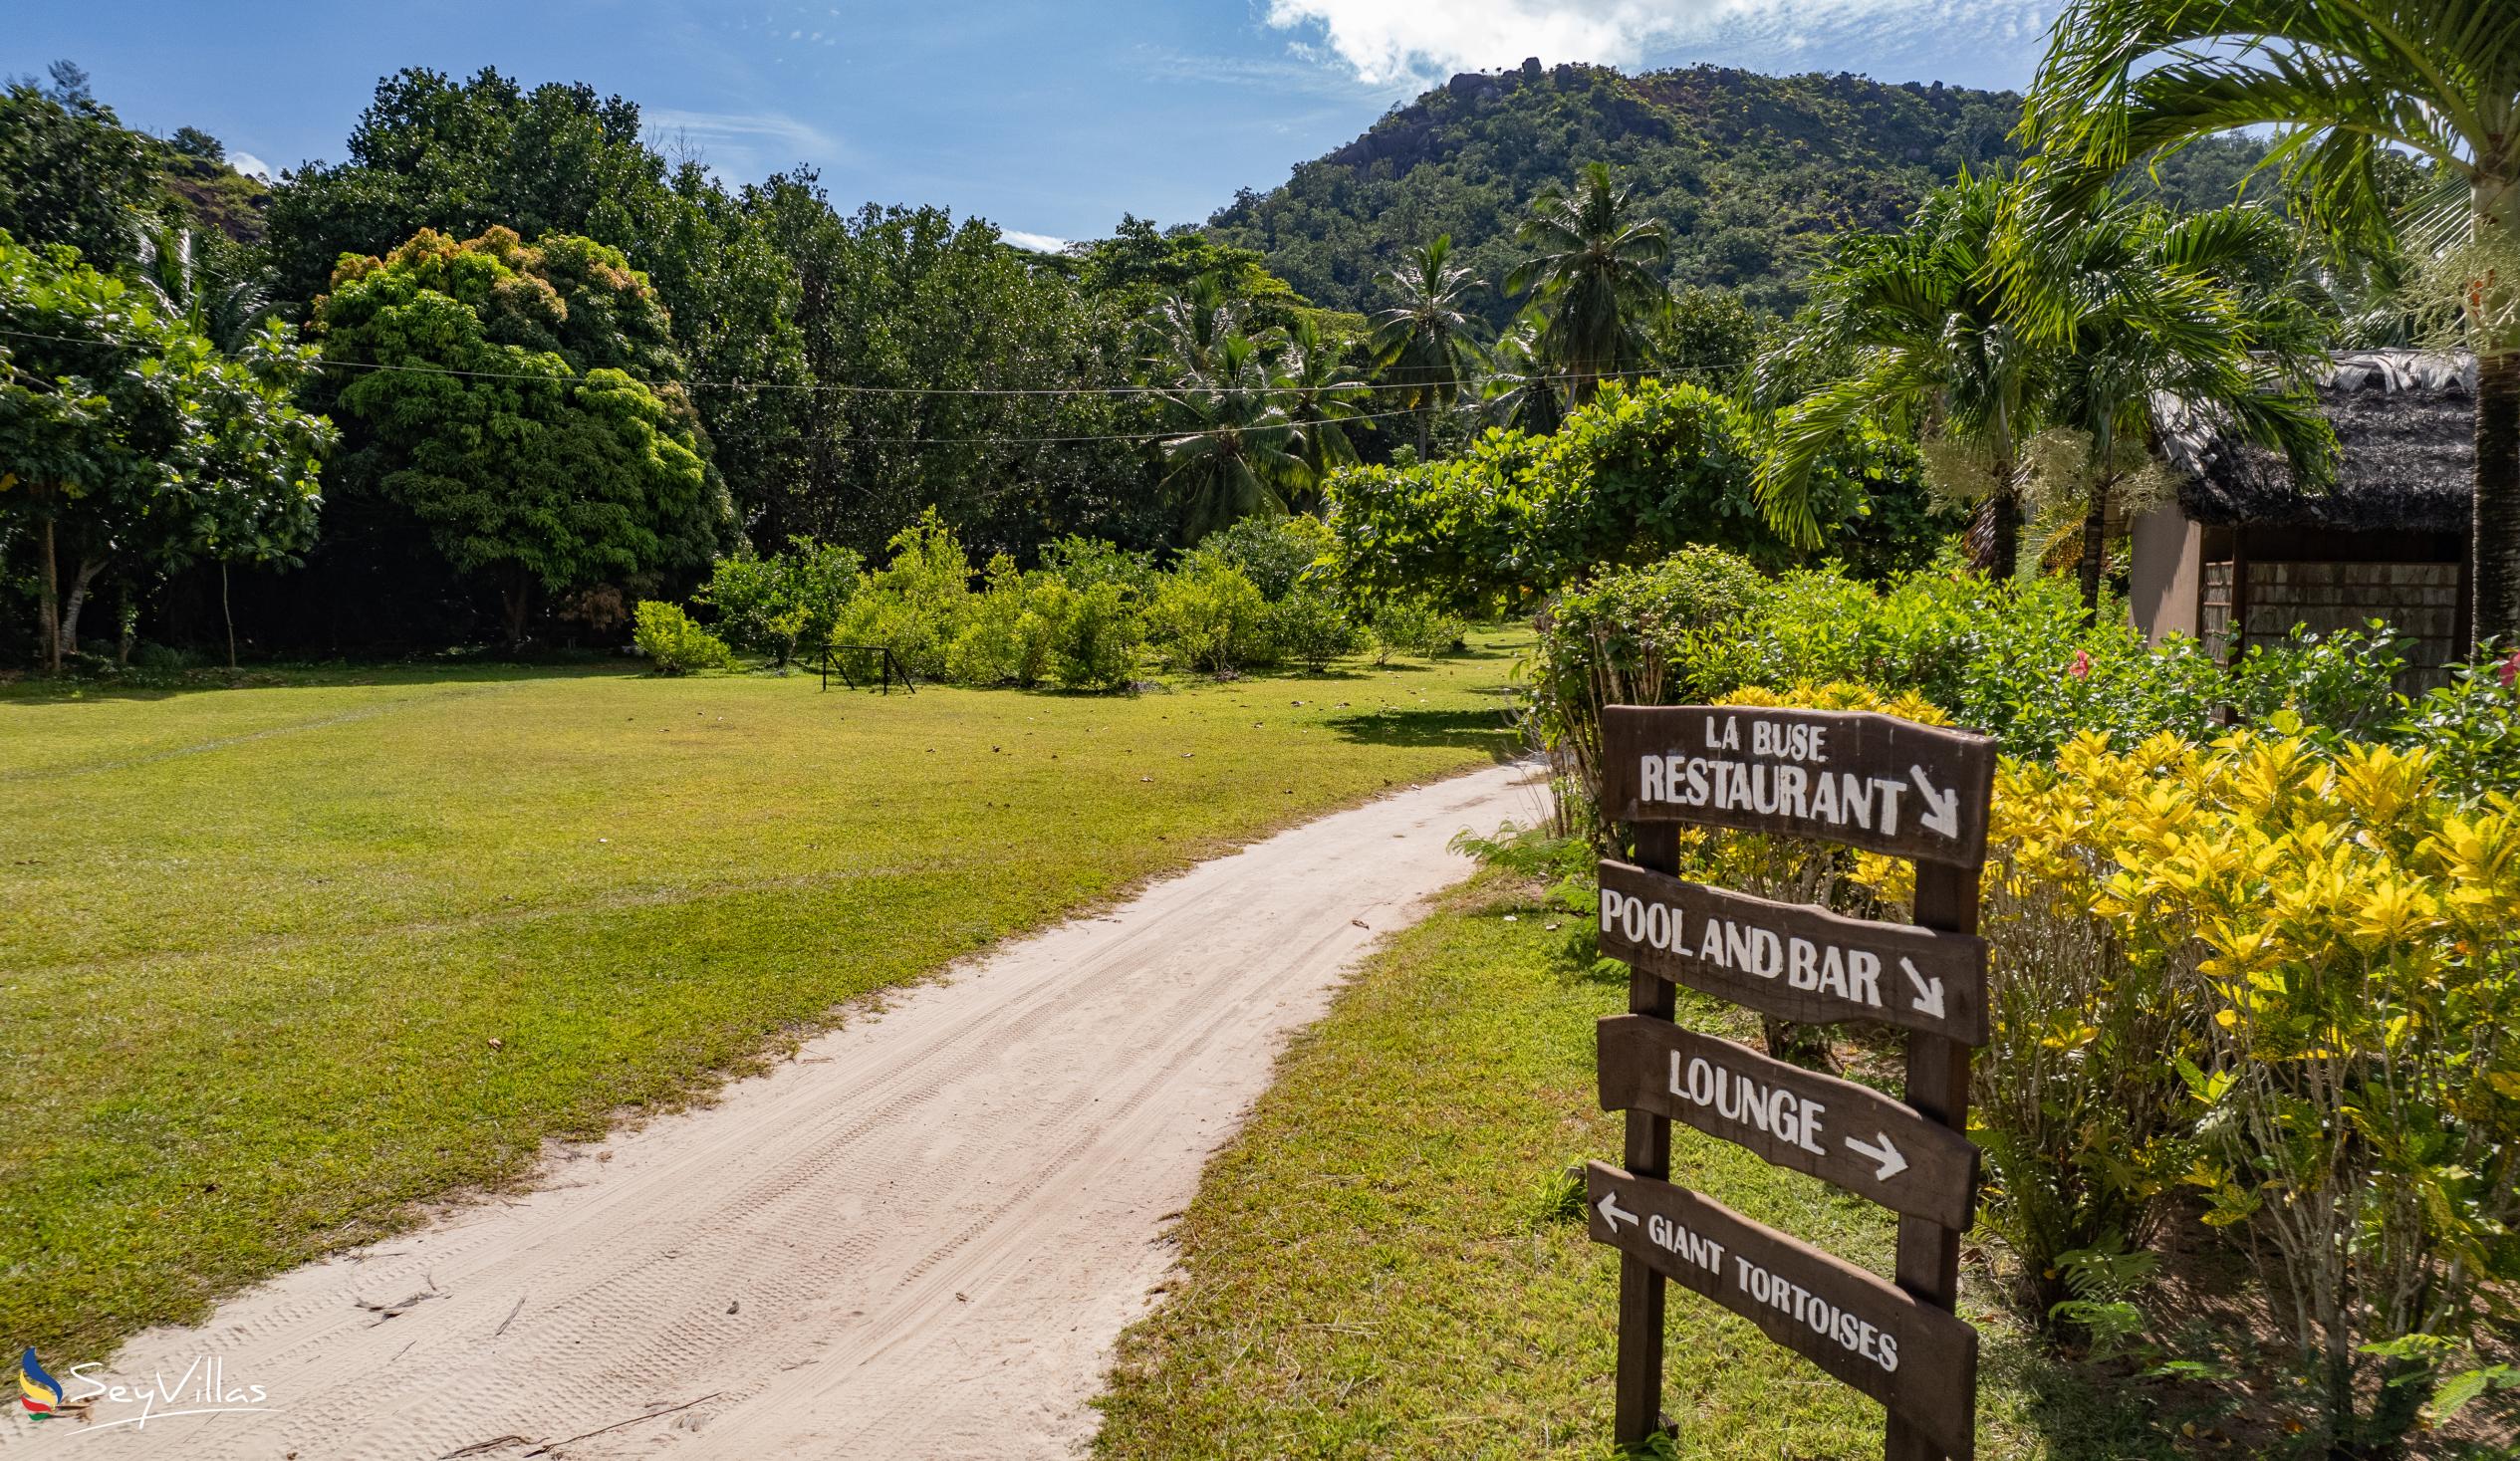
point(1755, 175)
point(129, 442)
point(1629, 477)
point(520, 406)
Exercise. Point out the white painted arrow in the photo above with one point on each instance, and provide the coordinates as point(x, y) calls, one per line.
point(1888, 1155)
point(1612, 1212)
point(1928, 998)
point(1944, 816)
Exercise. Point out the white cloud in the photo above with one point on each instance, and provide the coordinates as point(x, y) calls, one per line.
point(1387, 40)
point(741, 127)
point(250, 166)
point(1039, 243)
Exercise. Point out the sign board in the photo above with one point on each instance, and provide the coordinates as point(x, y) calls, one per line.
point(1863, 780)
point(1857, 780)
point(1919, 1361)
point(1837, 1130)
point(1791, 961)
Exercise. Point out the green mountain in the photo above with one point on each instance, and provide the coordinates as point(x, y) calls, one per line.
point(1755, 175)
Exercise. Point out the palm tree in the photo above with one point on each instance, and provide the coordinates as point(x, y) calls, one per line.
point(1592, 275)
point(2150, 315)
point(1424, 343)
point(1320, 398)
point(1519, 393)
point(168, 266)
point(1236, 448)
point(2341, 81)
point(1184, 329)
point(1924, 319)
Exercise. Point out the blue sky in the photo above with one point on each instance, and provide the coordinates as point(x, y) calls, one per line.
point(1051, 120)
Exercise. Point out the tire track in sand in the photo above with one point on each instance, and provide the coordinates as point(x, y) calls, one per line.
point(917, 1239)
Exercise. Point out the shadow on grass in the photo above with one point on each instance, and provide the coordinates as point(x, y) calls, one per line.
point(140, 684)
point(1471, 730)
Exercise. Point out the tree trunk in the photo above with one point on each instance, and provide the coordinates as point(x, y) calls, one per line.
point(2095, 545)
point(127, 623)
point(2494, 522)
point(228, 614)
point(520, 600)
point(1994, 538)
point(49, 602)
point(68, 643)
point(1425, 423)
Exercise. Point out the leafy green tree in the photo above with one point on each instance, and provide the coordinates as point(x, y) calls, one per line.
point(2344, 86)
point(1140, 266)
point(69, 173)
point(1636, 474)
point(1427, 343)
point(1591, 273)
point(1922, 319)
point(1707, 335)
point(521, 403)
point(127, 440)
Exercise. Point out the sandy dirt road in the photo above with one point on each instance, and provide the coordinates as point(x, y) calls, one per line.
point(917, 1239)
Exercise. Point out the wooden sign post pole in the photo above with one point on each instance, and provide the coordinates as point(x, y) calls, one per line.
point(1938, 1088)
point(1638, 1414)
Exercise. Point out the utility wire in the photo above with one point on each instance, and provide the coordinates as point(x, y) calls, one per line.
point(843, 387)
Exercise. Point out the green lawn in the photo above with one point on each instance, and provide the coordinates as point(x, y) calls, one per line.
point(281, 962)
point(1384, 1262)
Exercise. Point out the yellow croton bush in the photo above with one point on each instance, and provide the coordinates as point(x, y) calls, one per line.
point(2276, 976)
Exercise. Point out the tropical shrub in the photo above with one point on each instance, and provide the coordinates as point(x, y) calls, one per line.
point(1616, 638)
point(1638, 472)
point(774, 604)
point(916, 603)
point(1082, 563)
point(1008, 630)
point(1097, 637)
point(1311, 628)
point(2084, 1127)
point(1415, 627)
point(1207, 616)
point(2358, 1094)
point(2472, 728)
point(674, 645)
point(1272, 552)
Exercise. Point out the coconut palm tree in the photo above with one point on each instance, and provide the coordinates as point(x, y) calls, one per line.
point(1592, 275)
point(1519, 394)
point(2341, 81)
point(1426, 342)
point(1183, 331)
point(1237, 451)
point(1924, 319)
point(1322, 398)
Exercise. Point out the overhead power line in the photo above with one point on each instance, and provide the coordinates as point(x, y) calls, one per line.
point(849, 388)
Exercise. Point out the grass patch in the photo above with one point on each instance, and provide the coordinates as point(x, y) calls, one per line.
point(285, 961)
point(1387, 1261)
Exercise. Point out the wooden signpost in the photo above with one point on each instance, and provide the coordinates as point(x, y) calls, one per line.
point(1858, 780)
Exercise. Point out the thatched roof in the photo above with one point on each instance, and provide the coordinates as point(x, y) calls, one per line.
point(2405, 421)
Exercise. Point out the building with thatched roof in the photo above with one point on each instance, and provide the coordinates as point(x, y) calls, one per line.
point(2242, 554)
